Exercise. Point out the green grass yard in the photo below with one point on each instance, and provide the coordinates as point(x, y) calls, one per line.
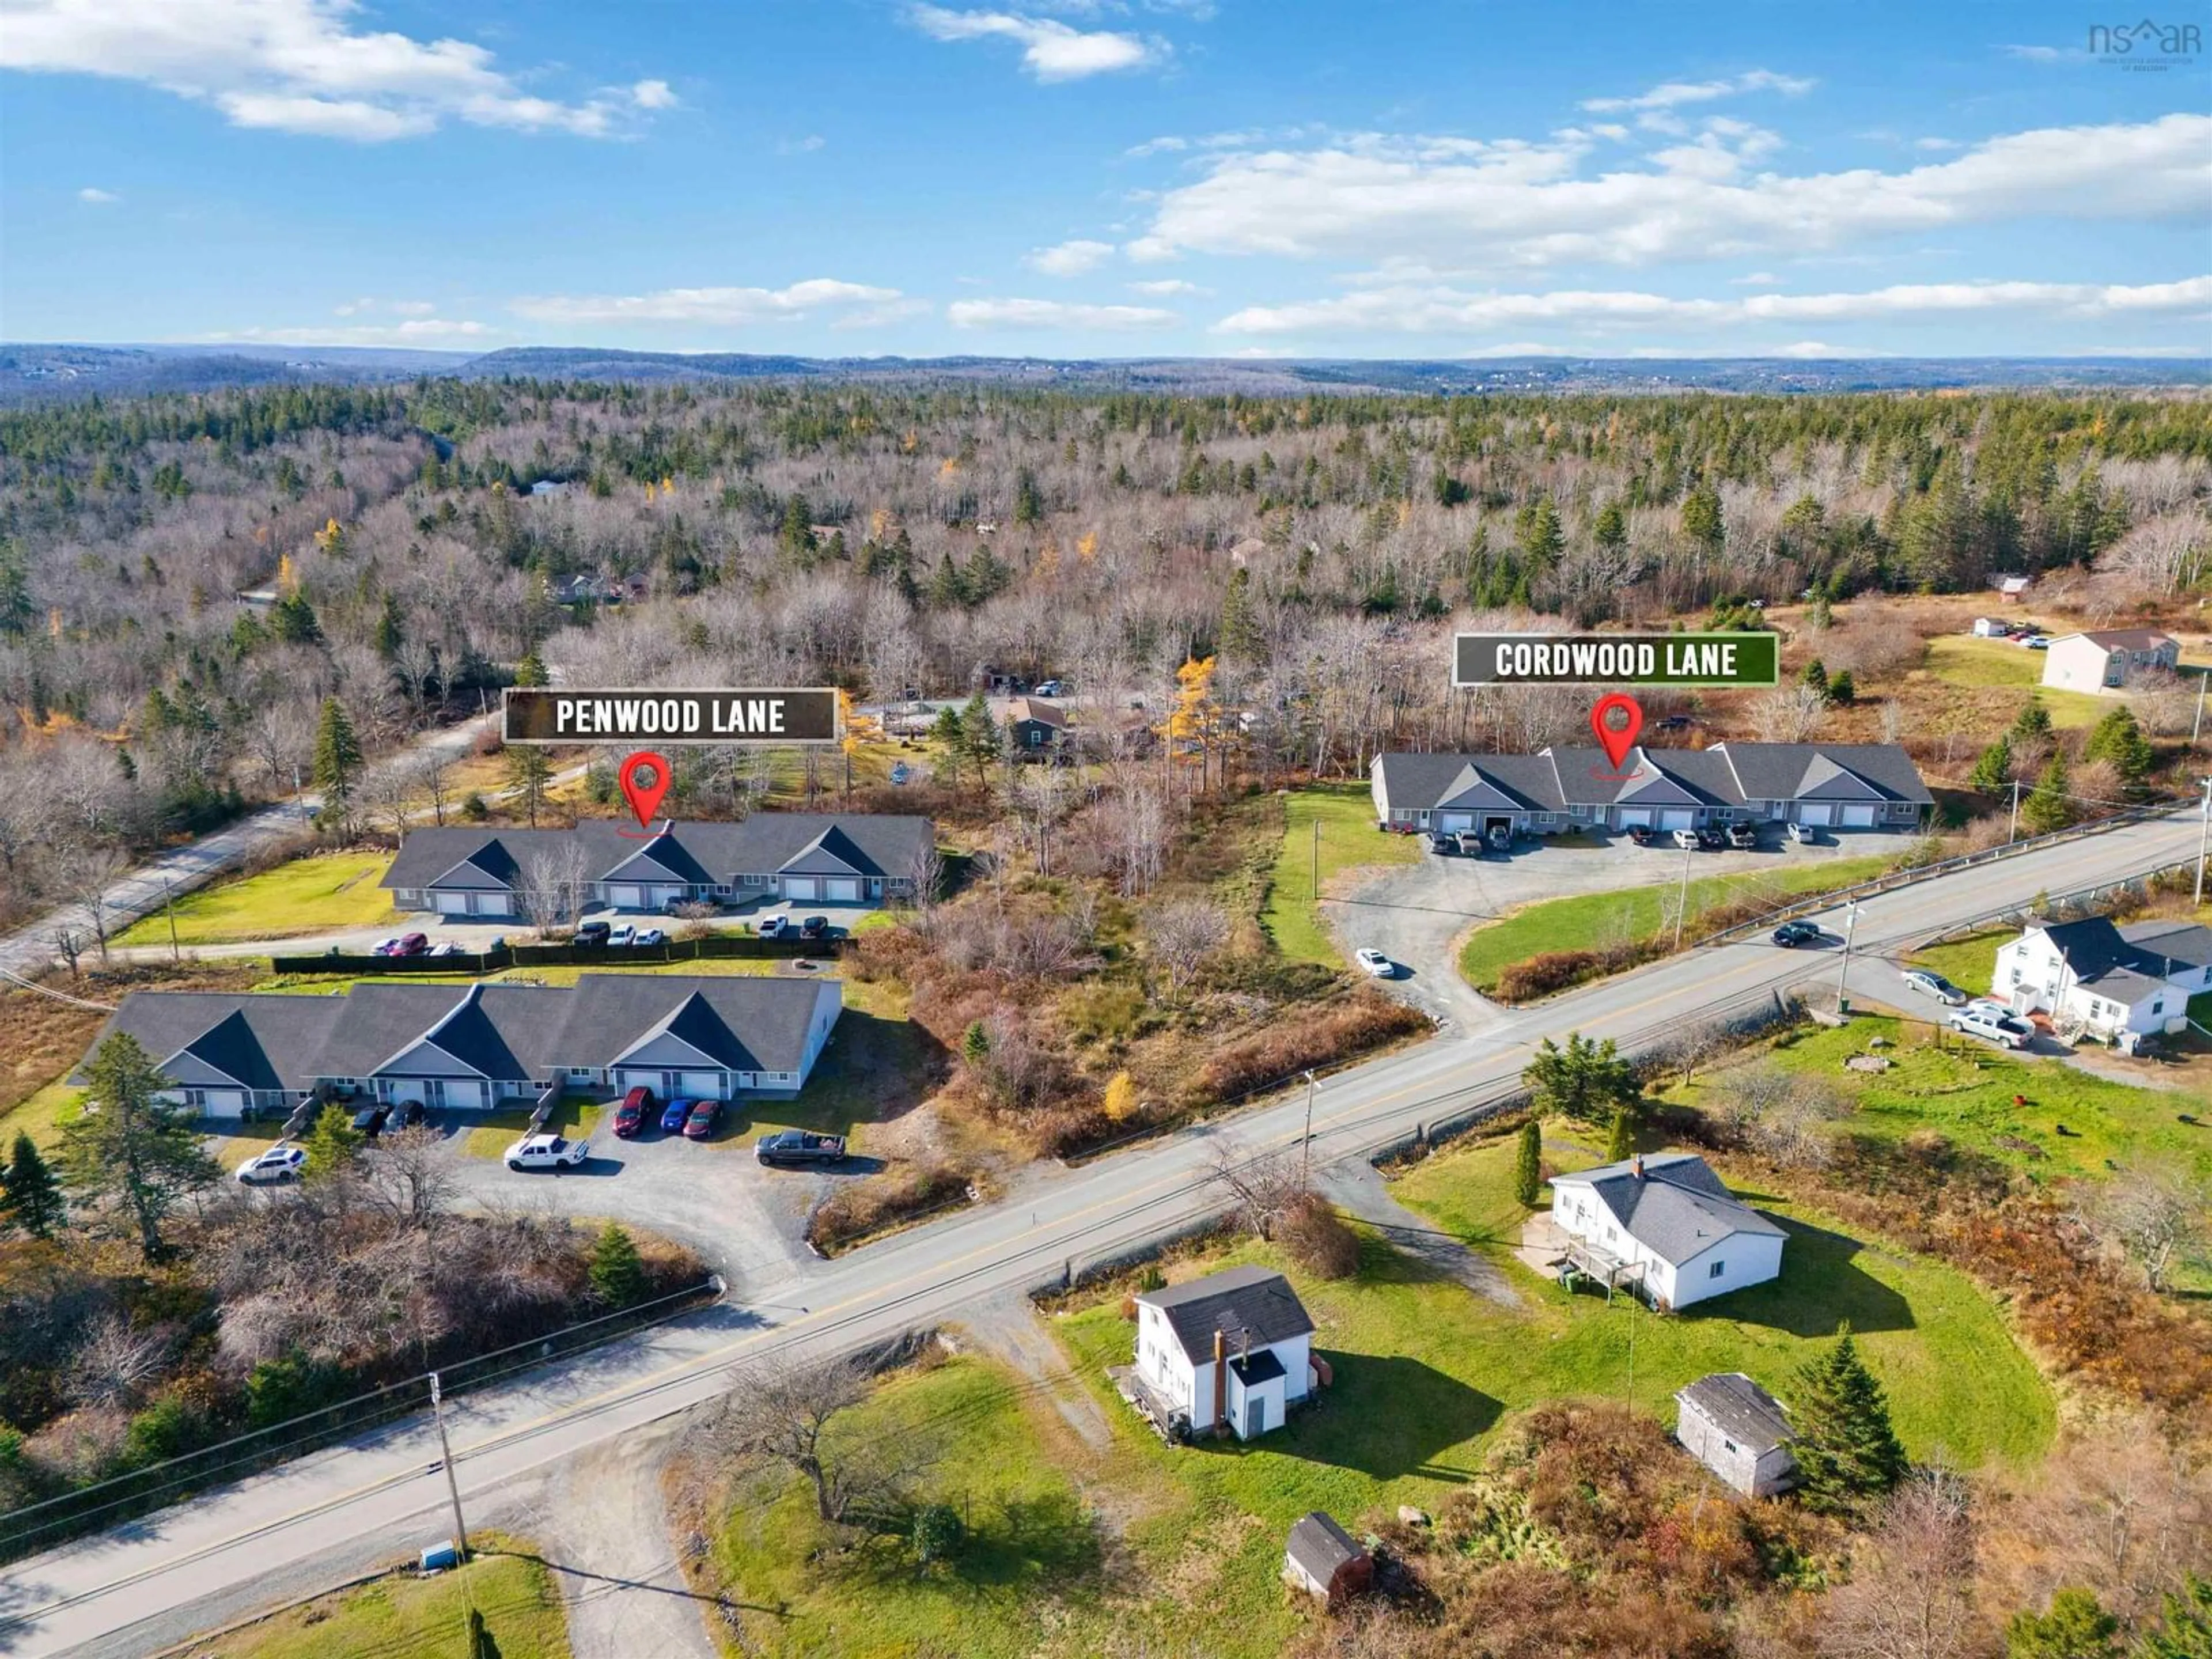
point(1582, 922)
point(404, 1616)
point(41, 1116)
point(307, 895)
point(1967, 962)
point(1349, 840)
point(1961, 660)
point(1965, 1091)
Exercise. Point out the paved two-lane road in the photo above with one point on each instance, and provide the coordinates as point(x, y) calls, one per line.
point(196, 1565)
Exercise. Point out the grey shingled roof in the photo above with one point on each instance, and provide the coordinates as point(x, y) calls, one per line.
point(1319, 1547)
point(1677, 1208)
point(2127, 963)
point(1738, 1408)
point(263, 1042)
point(767, 1018)
point(873, 843)
point(1245, 1304)
point(1728, 774)
point(2188, 943)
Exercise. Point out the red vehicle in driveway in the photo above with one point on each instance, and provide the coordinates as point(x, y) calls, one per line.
point(413, 944)
point(630, 1115)
point(705, 1114)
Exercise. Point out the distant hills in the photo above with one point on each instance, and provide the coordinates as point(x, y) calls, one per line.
point(38, 373)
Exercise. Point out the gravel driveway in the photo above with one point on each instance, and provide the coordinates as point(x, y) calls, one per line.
point(1416, 913)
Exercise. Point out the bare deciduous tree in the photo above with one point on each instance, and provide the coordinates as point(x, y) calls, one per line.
point(433, 775)
point(86, 873)
point(1180, 935)
point(553, 883)
point(116, 1358)
point(411, 1173)
point(1914, 1598)
point(1262, 1186)
point(780, 1412)
point(2158, 1216)
point(1789, 713)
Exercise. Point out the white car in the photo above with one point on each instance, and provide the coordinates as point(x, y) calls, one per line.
point(773, 926)
point(1376, 963)
point(547, 1153)
point(1803, 833)
point(1686, 839)
point(1934, 985)
point(650, 936)
point(449, 947)
point(279, 1163)
point(625, 934)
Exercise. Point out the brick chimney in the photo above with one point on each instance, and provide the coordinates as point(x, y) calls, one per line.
point(1636, 1165)
point(1221, 1380)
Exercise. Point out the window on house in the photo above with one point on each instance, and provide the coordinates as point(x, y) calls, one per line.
point(1717, 1270)
point(1727, 1444)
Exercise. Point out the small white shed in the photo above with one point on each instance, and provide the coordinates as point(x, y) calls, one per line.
point(1739, 1432)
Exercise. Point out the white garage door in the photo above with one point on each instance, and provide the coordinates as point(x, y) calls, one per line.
point(450, 904)
point(1859, 816)
point(802, 887)
point(495, 904)
point(1631, 816)
point(626, 897)
point(1452, 822)
point(1816, 812)
point(665, 896)
point(1678, 817)
point(843, 890)
point(465, 1091)
point(705, 1085)
point(223, 1103)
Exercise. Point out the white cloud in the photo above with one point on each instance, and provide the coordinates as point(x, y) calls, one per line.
point(1412, 310)
point(1754, 279)
point(298, 66)
point(395, 308)
point(1069, 259)
point(96, 196)
point(730, 306)
point(1937, 143)
point(1515, 204)
point(806, 146)
point(1054, 313)
point(1051, 51)
point(427, 332)
point(1672, 94)
point(1167, 286)
point(2046, 54)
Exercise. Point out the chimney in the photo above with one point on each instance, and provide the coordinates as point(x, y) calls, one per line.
point(1221, 1380)
point(1636, 1165)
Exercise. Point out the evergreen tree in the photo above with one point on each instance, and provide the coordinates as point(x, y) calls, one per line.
point(338, 758)
point(1536, 532)
point(1028, 502)
point(1843, 690)
point(33, 1195)
point(1528, 1163)
point(2184, 1626)
point(529, 773)
point(1586, 1080)
point(331, 1145)
point(531, 670)
point(1993, 771)
point(1238, 633)
point(2076, 1628)
point(945, 730)
point(1817, 615)
point(1701, 518)
point(617, 1271)
point(388, 635)
point(979, 734)
point(1611, 530)
point(16, 608)
point(1815, 677)
point(2049, 806)
point(1620, 1143)
point(975, 1044)
point(137, 1156)
point(1846, 1449)
point(293, 620)
point(2118, 740)
point(2033, 720)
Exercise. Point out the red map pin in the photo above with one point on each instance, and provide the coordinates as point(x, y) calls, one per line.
point(1615, 736)
point(644, 780)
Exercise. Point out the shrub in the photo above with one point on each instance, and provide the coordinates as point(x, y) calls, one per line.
point(1548, 971)
point(860, 1208)
point(1359, 1022)
point(1317, 1238)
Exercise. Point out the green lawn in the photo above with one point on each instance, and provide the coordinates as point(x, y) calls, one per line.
point(1965, 1089)
point(1967, 962)
point(1962, 660)
point(1581, 923)
point(492, 1132)
point(307, 895)
point(42, 1116)
point(1424, 1373)
point(406, 1617)
point(1349, 840)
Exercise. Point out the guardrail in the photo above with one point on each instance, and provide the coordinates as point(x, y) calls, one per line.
point(1809, 903)
point(2050, 904)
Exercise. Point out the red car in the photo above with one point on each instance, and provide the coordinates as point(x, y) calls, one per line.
point(700, 1124)
point(630, 1117)
point(412, 945)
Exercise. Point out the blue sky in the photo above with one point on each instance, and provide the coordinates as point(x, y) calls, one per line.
point(1114, 177)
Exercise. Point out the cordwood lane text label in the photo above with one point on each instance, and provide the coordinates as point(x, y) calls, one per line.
point(1616, 659)
point(535, 715)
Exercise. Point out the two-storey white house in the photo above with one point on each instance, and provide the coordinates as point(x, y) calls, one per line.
point(1665, 1227)
point(1231, 1351)
point(2117, 983)
point(2108, 658)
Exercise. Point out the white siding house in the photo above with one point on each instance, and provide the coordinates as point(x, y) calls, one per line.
point(1228, 1353)
point(2107, 660)
point(1666, 1227)
point(2118, 984)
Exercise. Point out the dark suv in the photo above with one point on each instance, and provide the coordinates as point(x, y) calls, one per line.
point(595, 932)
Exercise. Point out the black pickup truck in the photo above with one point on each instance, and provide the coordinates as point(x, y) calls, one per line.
point(798, 1147)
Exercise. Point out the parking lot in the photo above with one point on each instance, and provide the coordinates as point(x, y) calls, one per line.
point(1416, 914)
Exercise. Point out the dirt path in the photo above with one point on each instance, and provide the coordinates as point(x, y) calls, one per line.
point(1357, 1188)
point(604, 1528)
point(1008, 1328)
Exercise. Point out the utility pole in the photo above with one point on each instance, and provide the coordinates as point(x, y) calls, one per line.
point(2203, 832)
point(452, 1485)
point(1843, 973)
point(1316, 864)
point(2198, 724)
point(1305, 1178)
point(169, 904)
point(1682, 903)
point(2012, 834)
